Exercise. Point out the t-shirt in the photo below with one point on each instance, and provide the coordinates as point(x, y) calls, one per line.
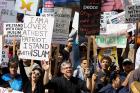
point(62, 85)
point(15, 83)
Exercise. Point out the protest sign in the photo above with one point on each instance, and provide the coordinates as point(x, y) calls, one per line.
point(104, 20)
point(111, 41)
point(27, 6)
point(75, 22)
point(132, 13)
point(5, 90)
point(135, 2)
point(36, 37)
point(89, 17)
point(116, 29)
point(111, 52)
point(118, 18)
point(0, 48)
point(13, 29)
point(7, 13)
point(3, 4)
point(5, 58)
point(48, 8)
point(61, 25)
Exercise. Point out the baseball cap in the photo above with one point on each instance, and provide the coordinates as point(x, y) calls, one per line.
point(127, 61)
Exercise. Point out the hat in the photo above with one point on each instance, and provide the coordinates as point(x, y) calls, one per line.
point(127, 60)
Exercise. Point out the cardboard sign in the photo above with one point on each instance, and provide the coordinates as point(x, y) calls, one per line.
point(7, 13)
point(5, 58)
point(61, 25)
point(0, 48)
point(89, 17)
point(111, 41)
point(27, 6)
point(13, 29)
point(132, 13)
point(111, 52)
point(5, 90)
point(36, 37)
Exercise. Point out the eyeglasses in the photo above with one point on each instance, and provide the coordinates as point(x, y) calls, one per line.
point(36, 73)
point(67, 68)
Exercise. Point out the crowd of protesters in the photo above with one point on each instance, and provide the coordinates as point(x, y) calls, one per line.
point(32, 76)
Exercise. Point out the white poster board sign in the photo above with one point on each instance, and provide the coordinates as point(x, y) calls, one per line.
point(75, 23)
point(116, 29)
point(132, 13)
point(104, 20)
point(27, 6)
point(61, 25)
point(7, 13)
point(13, 29)
point(36, 37)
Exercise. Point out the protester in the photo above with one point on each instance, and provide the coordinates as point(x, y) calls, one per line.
point(13, 79)
point(66, 83)
point(114, 86)
point(67, 50)
point(101, 78)
point(35, 83)
point(83, 70)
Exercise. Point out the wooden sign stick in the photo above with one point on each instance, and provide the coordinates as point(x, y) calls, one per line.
point(88, 49)
point(14, 46)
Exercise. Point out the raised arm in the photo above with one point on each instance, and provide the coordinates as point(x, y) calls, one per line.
point(45, 66)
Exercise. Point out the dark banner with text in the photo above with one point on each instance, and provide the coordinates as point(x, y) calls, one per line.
point(89, 17)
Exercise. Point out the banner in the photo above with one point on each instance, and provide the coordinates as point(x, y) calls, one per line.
point(104, 20)
point(61, 25)
point(7, 12)
point(132, 13)
point(111, 41)
point(111, 52)
point(27, 6)
point(1, 48)
point(5, 90)
point(36, 37)
point(5, 58)
point(89, 17)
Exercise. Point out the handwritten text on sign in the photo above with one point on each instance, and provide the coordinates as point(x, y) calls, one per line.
point(132, 13)
point(13, 29)
point(61, 25)
point(36, 37)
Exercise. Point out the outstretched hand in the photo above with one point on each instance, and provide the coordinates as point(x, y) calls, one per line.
point(45, 65)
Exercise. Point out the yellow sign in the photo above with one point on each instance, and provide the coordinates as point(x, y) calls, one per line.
point(111, 52)
point(26, 5)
